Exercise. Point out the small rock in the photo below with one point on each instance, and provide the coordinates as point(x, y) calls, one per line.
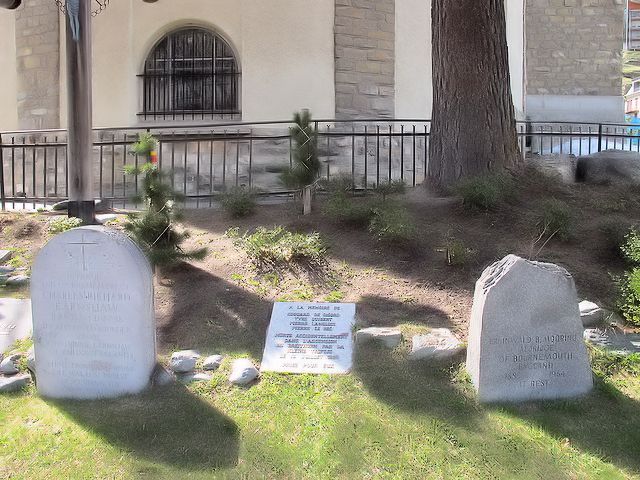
point(183, 361)
point(31, 359)
point(5, 255)
point(212, 362)
point(591, 314)
point(106, 217)
point(614, 340)
point(18, 280)
point(8, 364)
point(243, 372)
point(438, 344)
point(161, 376)
point(389, 337)
point(195, 377)
point(11, 384)
point(4, 269)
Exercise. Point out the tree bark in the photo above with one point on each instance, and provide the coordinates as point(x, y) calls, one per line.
point(473, 130)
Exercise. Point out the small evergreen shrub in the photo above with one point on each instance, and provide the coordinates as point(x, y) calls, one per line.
point(457, 252)
point(485, 192)
point(394, 187)
point(153, 229)
point(239, 201)
point(278, 245)
point(554, 219)
point(306, 164)
point(62, 224)
point(392, 223)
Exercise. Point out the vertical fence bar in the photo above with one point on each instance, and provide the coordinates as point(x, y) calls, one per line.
point(100, 176)
point(224, 162)
point(55, 164)
point(414, 155)
point(173, 161)
point(198, 176)
point(250, 157)
point(353, 157)
point(402, 152)
point(2, 192)
point(24, 173)
point(211, 170)
point(426, 153)
point(599, 137)
point(33, 175)
point(390, 146)
point(237, 156)
point(290, 148)
point(13, 171)
point(366, 159)
point(44, 171)
point(113, 163)
point(377, 155)
point(184, 171)
point(328, 150)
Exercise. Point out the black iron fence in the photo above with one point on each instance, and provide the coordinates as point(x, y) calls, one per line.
point(201, 161)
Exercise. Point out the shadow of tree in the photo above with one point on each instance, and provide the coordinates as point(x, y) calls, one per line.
point(224, 317)
point(167, 425)
point(384, 312)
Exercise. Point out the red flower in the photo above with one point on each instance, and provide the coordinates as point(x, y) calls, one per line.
point(153, 157)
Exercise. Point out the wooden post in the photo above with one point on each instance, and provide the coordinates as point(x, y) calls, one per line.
point(79, 120)
point(307, 193)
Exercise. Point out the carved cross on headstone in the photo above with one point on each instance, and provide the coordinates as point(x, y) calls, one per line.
point(82, 244)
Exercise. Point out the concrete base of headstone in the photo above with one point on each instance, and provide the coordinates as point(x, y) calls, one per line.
point(591, 314)
point(438, 344)
point(243, 372)
point(389, 337)
point(525, 336)
point(613, 340)
point(14, 383)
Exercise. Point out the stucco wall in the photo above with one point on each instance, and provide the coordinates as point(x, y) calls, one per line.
point(284, 48)
point(8, 86)
point(414, 90)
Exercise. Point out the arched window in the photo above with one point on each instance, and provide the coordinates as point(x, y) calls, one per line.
point(191, 73)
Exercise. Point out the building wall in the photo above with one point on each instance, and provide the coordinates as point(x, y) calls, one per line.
point(284, 48)
point(8, 83)
point(365, 58)
point(574, 49)
point(37, 64)
point(413, 86)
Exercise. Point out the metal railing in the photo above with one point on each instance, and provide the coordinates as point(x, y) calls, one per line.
point(203, 160)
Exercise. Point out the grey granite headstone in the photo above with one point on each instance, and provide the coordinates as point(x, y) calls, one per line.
point(525, 338)
point(93, 315)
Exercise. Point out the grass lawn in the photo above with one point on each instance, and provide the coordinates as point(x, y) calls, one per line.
point(389, 418)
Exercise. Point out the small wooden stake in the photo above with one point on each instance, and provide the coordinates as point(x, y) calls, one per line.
point(306, 199)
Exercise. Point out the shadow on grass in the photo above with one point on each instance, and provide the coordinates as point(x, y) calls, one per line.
point(606, 423)
point(383, 312)
point(212, 315)
point(164, 425)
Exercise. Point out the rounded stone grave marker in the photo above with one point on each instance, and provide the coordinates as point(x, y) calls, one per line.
point(525, 337)
point(93, 315)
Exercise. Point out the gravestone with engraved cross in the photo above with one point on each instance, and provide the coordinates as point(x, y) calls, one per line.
point(93, 316)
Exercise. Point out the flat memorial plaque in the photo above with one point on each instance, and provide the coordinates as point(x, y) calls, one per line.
point(309, 338)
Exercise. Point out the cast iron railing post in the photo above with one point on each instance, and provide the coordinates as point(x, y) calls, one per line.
point(599, 137)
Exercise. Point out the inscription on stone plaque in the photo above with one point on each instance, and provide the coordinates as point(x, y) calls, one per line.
point(310, 338)
point(525, 337)
point(93, 316)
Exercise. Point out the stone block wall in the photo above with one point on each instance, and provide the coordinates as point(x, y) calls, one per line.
point(365, 58)
point(574, 47)
point(38, 64)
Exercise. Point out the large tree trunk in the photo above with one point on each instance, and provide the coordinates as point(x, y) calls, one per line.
point(473, 129)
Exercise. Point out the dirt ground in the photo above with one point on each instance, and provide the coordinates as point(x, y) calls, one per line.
point(225, 300)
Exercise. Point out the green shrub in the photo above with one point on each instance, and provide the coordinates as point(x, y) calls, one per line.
point(392, 223)
point(457, 252)
point(340, 184)
point(346, 210)
point(394, 187)
point(278, 245)
point(239, 201)
point(485, 192)
point(554, 219)
point(629, 295)
point(63, 224)
point(630, 247)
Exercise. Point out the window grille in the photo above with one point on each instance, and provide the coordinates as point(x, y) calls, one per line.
point(190, 74)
